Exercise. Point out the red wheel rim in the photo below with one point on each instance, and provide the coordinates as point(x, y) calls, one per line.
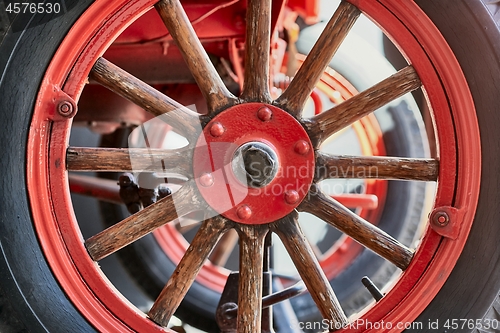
point(60, 236)
point(93, 295)
point(427, 272)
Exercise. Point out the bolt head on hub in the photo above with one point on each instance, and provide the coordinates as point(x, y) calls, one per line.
point(291, 197)
point(265, 113)
point(343, 248)
point(217, 129)
point(206, 179)
point(302, 147)
point(244, 212)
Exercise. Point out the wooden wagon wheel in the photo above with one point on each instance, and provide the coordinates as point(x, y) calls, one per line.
point(221, 125)
point(219, 162)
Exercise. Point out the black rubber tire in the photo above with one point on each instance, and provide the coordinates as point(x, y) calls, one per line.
point(35, 295)
point(473, 287)
point(28, 283)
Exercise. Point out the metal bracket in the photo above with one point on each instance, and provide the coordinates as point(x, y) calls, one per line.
point(226, 312)
point(136, 197)
point(228, 300)
point(447, 221)
point(61, 106)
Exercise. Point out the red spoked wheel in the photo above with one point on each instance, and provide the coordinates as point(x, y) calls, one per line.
point(456, 169)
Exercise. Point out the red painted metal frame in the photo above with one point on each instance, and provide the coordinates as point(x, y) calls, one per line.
point(219, 24)
point(60, 236)
point(308, 9)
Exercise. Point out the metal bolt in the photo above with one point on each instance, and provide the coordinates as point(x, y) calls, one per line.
point(291, 197)
point(217, 129)
point(206, 179)
point(244, 212)
point(163, 191)
point(372, 288)
point(302, 147)
point(126, 179)
point(228, 310)
point(65, 109)
point(441, 218)
point(265, 113)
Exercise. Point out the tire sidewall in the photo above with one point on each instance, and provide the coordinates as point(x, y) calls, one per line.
point(474, 283)
point(26, 51)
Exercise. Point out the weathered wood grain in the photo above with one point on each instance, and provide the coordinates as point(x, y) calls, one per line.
point(357, 228)
point(140, 224)
point(250, 280)
point(290, 233)
point(213, 89)
point(183, 120)
point(257, 52)
point(375, 167)
point(295, 96)
point(327, 123)
point(187, 269)
point(224, 247)
point(120, 160)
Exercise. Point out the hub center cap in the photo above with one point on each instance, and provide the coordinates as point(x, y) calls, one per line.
point(255, 164)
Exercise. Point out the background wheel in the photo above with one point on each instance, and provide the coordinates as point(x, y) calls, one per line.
point(22, 251)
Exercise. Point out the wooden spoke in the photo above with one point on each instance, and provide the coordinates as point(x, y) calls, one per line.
point(295, 96)
point(140, 224)
point(375, 167)
point(99, 188)
point(130, 160)
point(354, 226)
point(250, 280)
point(303, 257)
point(181, 30)
point(223, 250)
point(257, 50)
point(328, 122)
point(183, 120)
point(187, 270)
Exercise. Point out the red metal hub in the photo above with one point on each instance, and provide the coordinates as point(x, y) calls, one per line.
point(267, 143)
